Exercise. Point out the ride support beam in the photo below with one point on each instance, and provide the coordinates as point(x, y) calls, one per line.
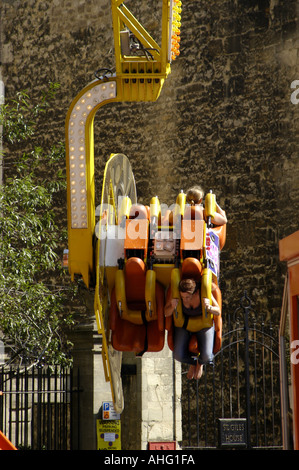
point(140, 74)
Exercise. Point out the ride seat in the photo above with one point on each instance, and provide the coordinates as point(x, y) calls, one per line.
point(192, 230)
point(135, 276)
point(138, 211)
point(135, 326)
point(193, 212)
point(137, 232)
point(220, 230)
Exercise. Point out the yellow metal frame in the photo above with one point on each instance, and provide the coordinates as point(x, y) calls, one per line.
point(141, 79)
point(80, 173)
point(136, 79)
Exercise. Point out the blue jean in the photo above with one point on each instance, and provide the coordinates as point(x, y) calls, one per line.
point(205, 338)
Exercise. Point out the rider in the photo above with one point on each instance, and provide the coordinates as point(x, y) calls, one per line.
point(191, 305)
point(194, 197)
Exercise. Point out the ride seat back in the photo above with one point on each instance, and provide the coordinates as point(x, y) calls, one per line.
point(137, 228)
point(135, 275)
point(192, 269)
point(192, 229)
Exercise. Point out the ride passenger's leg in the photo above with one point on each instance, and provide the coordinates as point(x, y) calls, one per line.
point(205, 338)
point(181, 350)
point(181, 346)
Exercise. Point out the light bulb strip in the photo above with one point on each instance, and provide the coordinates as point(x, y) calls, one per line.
point(77, 149)
point(174, 29)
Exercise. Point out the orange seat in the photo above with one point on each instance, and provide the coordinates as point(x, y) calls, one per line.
point(137, 231)
point(192, 230)
point(192, 269)
point(193, 213)
point(135, 283)
point(138, 211)
point(129, 336)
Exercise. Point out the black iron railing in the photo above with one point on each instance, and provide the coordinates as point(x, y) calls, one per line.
point(242, 384)
point(36, 407)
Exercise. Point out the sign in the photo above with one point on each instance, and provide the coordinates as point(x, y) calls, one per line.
point(232, 432)
point(171, 445)
point(212, 252)
point(108, 411)
point(109, 434)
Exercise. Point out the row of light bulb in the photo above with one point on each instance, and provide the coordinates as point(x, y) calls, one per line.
point(175, 31)
point(77, 148)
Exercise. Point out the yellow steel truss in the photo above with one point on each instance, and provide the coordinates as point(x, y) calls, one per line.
point(139, 77)
point(140, 74)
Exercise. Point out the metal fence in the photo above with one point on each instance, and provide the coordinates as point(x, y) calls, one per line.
point(36, 408)
point(39, 408)
point(242, 387)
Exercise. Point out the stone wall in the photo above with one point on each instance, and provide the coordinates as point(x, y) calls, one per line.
point(161, 398)
point(224, 118)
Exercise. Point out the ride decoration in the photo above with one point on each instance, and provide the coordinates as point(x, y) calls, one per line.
point(146, 257)
point(141, 254)
point(133, 254)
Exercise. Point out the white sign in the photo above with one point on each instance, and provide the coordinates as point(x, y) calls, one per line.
point(212, 252)
point(108, 411)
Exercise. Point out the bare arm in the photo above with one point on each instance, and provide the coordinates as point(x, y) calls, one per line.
point(170, 307)
point(214, 308)
point(220, 216)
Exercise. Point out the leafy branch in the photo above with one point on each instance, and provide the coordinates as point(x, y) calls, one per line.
point(33, 317)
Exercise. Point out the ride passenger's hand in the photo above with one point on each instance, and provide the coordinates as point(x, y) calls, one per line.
point(170, 307)
point(209, 308)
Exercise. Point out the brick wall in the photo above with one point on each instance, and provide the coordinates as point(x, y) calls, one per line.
point(224, 118)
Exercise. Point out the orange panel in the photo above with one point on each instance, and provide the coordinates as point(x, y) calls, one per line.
point(136, 234)
point(289, 247)
point(295, 370)
point(5, 444)
point(294, 279)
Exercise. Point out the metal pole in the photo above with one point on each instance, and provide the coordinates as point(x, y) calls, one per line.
point(283, 369)
point(246, 305)
point(2, 91)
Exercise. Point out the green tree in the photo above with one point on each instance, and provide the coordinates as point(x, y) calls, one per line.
point(33, 319)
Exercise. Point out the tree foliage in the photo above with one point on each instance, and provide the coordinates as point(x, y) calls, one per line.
point(32, 294)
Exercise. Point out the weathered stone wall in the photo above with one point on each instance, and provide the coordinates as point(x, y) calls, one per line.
point(224, 118)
